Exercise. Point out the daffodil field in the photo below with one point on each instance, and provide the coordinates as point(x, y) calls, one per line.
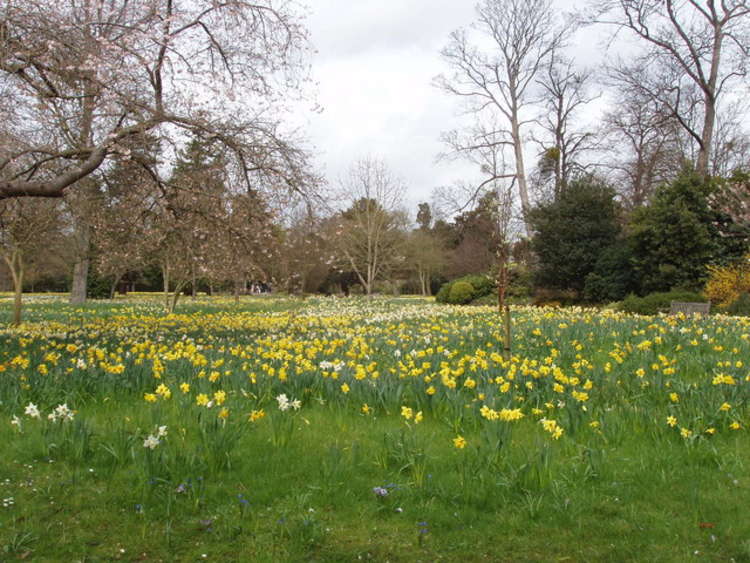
point(280, 429)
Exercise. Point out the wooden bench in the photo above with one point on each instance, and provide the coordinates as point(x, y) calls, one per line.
point(688, 308)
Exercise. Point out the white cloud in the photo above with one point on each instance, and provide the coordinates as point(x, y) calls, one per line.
point(375, 66)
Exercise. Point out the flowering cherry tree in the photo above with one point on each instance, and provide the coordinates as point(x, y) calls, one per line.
point(78, 79)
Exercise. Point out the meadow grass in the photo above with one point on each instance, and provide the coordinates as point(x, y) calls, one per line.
point(605, 437)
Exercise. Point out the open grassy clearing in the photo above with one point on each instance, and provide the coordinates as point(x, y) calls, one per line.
point(604, 437)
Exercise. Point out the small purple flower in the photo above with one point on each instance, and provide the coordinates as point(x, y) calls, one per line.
point(380, 491)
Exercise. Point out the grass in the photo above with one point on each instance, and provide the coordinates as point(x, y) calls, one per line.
point(619, 483)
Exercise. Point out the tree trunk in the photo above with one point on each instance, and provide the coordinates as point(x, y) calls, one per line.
point(503, 279)
point(424, 282)
point(113, 287)
point(165, 279)
point(523, 189)
point(88, 191)
point(709, 96)
point(15, 263)
point(179, 286)
point(82, 237)
point(18, 294)
point(507, 337)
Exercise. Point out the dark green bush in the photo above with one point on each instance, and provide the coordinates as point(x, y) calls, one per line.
point(442, 295)
point(98, 287)
point(481, 286)
point(740, 306)
point(654, 303)
point(461, 293)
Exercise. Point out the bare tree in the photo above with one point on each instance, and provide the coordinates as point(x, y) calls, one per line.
point(731, 140)
point(121, 219)
point(425, 257)
point(26, 228)
point(699, 45)
point(498, 81)
point(305, 258)
point(639, 139)
point(369, 233)
point(565, 94)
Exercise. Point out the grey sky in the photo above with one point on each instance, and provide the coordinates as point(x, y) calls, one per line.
point(374, 68)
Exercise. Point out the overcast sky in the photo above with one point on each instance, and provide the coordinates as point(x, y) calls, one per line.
point(374, 69)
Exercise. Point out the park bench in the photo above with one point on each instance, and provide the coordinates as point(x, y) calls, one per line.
point(688, 308)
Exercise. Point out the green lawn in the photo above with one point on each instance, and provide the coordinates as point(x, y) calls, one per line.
point(568, 453)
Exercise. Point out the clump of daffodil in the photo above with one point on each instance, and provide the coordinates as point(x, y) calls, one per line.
point(409, 414)
point(552, 427)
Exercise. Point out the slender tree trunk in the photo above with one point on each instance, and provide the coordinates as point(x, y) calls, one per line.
point(704, 152)
point(165, 277)
point(503, 276)
point(113, 287)
point(18, 295)
point(82, 237)
point(179, 286)
point(237, 286)
point(424, 282)
point(15, 263)
point(194, 285)
point(523, 189)
point(368, 285)
point(503, 279)
point(709, 96)
point(507, 336)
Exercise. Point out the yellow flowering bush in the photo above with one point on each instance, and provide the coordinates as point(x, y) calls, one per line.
point(726, 283)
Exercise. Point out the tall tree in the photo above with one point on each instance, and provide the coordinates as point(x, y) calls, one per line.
point(640, 141)
point(572, 232)
point(369, 233)
point(424, 216)
point(679, 234)
point(27, 228)
point(305, 257)
point(425, 257)
point(695, 48)
point(494, 74)
point(121, 215)
point(565, 95)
